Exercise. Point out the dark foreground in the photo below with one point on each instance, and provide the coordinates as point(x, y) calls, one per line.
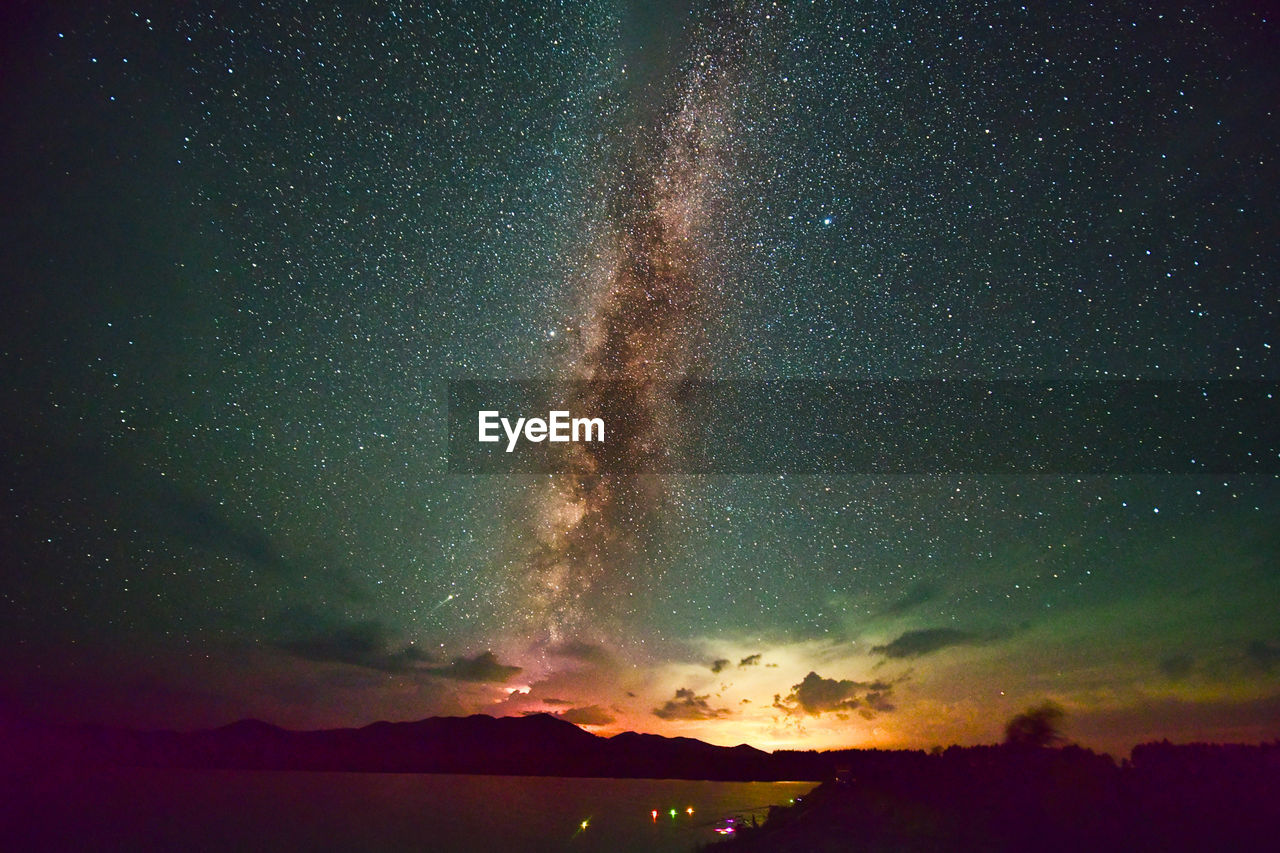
point(141, 809)
point(1166, 797)
point(987, 798)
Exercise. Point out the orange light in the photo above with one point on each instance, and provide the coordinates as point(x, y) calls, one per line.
point(689, 810)
point(654, 813)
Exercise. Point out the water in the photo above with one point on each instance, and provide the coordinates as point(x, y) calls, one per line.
point(144, 809)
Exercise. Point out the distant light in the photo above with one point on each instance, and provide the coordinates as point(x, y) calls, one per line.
point(673, 812)
point(689, 810)
point(654, 813)
point(584, 824)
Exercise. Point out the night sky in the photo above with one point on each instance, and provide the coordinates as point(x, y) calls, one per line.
point(247, 247)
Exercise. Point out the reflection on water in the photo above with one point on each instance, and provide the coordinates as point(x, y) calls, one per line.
point(131, 809)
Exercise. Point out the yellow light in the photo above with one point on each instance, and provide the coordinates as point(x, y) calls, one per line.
point(689, 810)
point(584, 824)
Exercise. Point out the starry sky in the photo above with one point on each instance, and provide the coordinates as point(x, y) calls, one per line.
point(248, 248)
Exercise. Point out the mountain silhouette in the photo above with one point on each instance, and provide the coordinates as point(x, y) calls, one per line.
point(538, 744)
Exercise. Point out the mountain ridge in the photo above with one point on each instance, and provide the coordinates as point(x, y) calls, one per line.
point(532, 745)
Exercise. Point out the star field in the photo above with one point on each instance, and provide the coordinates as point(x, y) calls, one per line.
point(247, 247)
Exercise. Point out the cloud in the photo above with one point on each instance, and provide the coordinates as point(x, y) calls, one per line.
point(816, 695)
point(556, 702)
point(914, 644)
point(588, 715)
point(879, 700)
point(137, 496)
point(914, 597)
point(482, 667)
point(1263, 654)
point(366, 644)
point(687, 706)
point(720, 665)
point(203, 523)
point(750, 660)
point(582, 651)
point(1177, 666)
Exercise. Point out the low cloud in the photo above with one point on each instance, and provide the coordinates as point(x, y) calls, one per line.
point(484, 667)
point(720, 665)
point(914, 597)
point(588, 715)
point(816, 695)
point(368, 644)
point(750, 660)
point(688, 706)
point(1177, 666)
point(582, 651)
point(1263, 654)
point(914, 644)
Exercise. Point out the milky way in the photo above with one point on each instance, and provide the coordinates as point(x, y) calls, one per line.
point(654, 295)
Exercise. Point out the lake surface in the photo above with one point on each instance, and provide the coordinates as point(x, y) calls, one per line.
point(145, 809)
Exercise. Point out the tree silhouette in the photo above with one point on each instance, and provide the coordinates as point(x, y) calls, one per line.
point(1035, 727)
